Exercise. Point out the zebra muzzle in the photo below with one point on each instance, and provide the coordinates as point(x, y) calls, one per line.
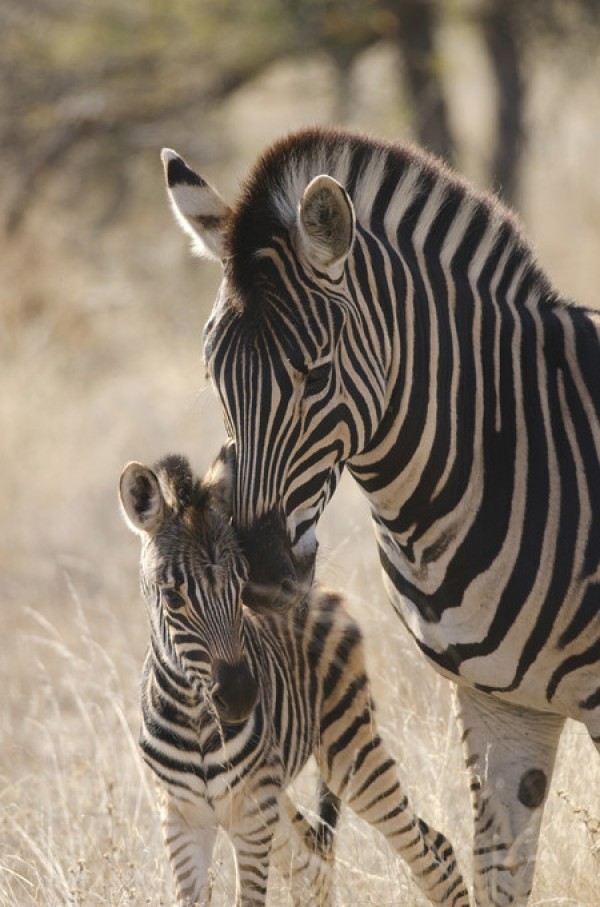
point(276, 582)
point(234, 692)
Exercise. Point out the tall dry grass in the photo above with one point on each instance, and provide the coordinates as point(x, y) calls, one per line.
point(100, 363)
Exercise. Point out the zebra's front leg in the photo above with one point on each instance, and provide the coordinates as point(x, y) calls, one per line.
point(252, 838)
point(189, 833)
point(510, 753)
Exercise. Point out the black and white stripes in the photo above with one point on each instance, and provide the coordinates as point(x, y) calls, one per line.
point(233, 705)
point(429, 355)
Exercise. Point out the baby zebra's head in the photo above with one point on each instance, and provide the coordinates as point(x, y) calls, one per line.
point(192, 575)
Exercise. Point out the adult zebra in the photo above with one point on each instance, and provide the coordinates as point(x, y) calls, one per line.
point(376, 313)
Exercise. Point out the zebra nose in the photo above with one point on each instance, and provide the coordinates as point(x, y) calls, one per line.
point(234, 692)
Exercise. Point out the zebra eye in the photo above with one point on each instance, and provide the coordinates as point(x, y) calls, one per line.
point(316, 380)
point(172, 599)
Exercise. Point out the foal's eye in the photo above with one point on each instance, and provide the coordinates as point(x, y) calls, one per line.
point(172, 599)
point(316, 380)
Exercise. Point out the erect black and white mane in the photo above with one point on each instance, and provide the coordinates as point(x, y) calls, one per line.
point(369, 170)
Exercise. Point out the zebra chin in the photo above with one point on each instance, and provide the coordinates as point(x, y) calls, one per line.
point(277, 597)
point(280, 577)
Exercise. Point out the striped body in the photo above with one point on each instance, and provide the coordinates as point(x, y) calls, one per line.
point(377, 314)
point(312, 698)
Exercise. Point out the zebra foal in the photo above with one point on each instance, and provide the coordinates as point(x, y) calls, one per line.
point(234, 703)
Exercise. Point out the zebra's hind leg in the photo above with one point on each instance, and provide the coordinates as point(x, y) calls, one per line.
point(304, 853)
point(364, 775)
point(329, 813)
point(509, 753)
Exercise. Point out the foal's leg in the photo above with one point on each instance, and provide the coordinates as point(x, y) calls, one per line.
point(509, 753)
point(189, 833)
point(303, 854)
point(358, 768)
point(252, 836)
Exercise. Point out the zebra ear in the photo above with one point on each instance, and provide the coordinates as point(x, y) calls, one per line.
point(198, 208)
point(219, 479)
point(141, 498)
point(326, 224)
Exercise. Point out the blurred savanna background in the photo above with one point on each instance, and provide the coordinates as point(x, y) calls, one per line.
point(101, 317)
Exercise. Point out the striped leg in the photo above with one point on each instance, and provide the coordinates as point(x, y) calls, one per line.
point(189, 842)
point(304, 858)
point(510, 755)
point(358, 767)
point(252, 838)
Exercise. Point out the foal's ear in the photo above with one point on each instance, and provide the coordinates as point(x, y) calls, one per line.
point(220, 478)
point(141, 498)
point(198, 208)
point(326, 224)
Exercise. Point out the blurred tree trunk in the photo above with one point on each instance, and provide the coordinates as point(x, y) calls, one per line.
point(417, 21)
point(501, 31)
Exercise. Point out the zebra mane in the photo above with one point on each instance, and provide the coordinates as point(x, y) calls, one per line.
point(270, 196)
point(179, 483)
point(199, 517)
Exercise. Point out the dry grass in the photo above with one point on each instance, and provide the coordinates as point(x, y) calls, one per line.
point(99, 364)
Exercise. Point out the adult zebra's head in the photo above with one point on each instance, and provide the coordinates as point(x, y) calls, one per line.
point(300, 373)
